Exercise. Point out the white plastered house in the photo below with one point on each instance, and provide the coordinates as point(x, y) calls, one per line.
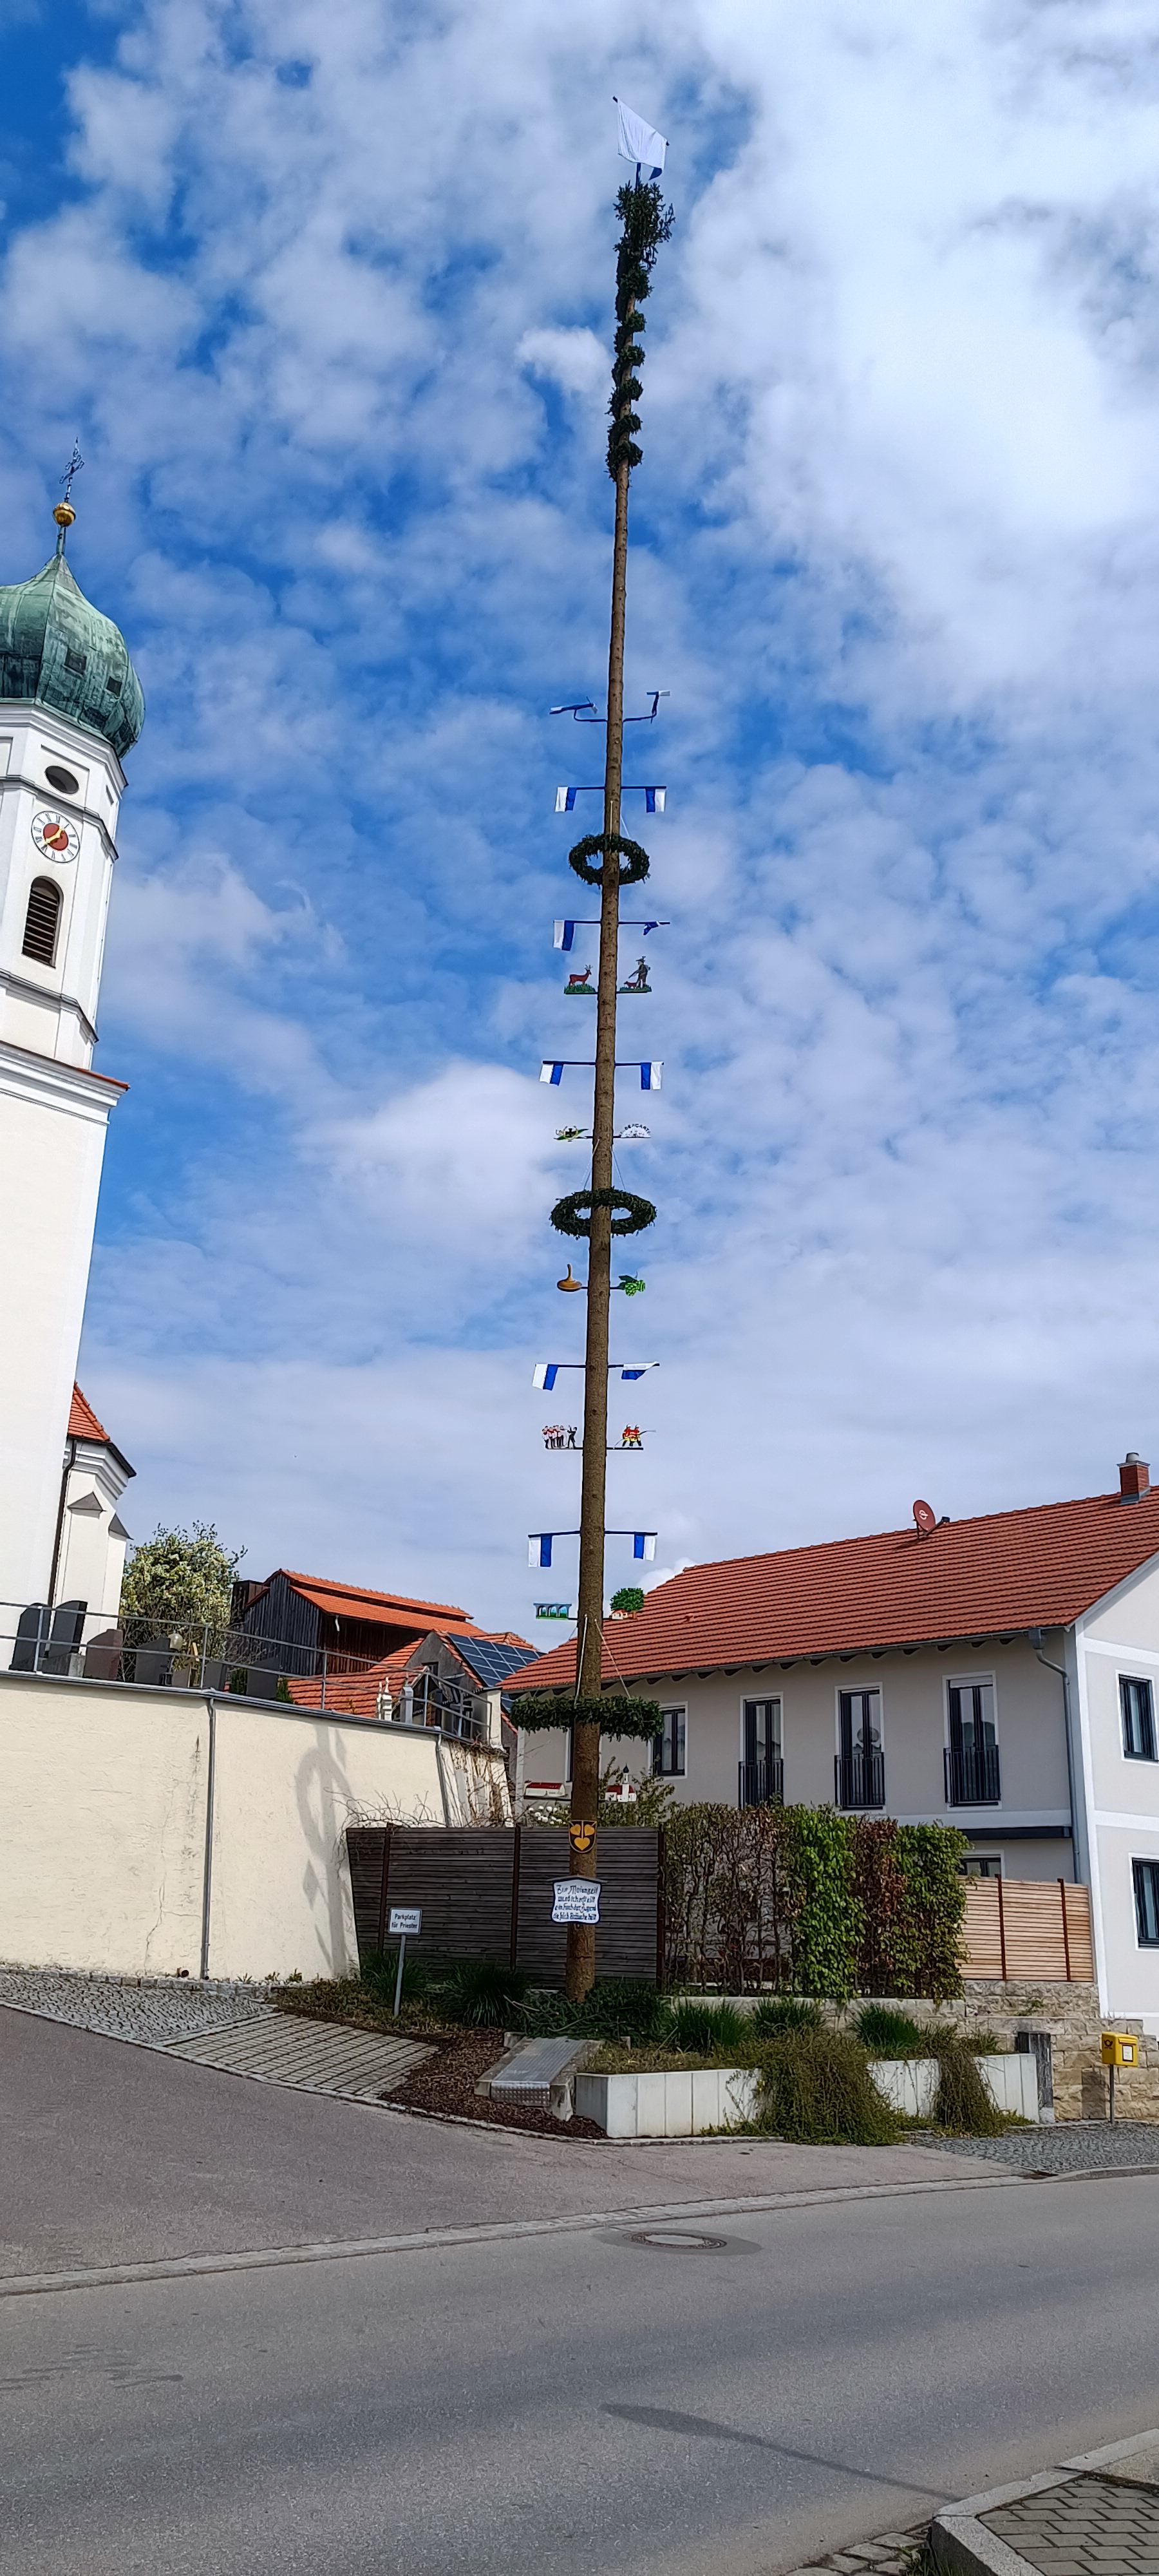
point(999, 1674)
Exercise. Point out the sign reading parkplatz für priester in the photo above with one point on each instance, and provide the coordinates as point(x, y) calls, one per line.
point(577, 1900)
point(406, 1918)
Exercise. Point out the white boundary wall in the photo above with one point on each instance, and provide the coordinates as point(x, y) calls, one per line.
point(148, 1831)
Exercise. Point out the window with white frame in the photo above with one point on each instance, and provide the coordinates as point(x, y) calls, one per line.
point(1137, 1710)
point(1146, 1877)
point(668, 1746)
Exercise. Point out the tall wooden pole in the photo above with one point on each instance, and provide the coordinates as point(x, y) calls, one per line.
point(585, 1770)
point(646, 223)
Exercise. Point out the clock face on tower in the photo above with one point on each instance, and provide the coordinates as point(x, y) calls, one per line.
point(55, 835)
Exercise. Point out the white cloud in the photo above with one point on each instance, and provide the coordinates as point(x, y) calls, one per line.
point(894, 553)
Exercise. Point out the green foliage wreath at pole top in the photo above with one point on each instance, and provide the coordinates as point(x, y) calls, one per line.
point(572, 1215)
point(617, 1713)
point(599, 845)
point(646, 222)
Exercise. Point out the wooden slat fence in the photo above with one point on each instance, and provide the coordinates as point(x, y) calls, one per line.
point(1028, 1929)
point(487, 1894)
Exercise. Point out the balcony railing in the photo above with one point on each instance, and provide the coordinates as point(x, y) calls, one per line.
point(973, 1775)
point(860, 1777)
point(762, 1783)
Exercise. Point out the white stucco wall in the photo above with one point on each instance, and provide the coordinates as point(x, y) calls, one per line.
point(52, 1140)
point(914, 1729)
point(1121, 1793)
point(92, 1535)
point(103, 1801)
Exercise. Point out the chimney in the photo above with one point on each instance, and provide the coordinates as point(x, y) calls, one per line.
point(1134, 1478)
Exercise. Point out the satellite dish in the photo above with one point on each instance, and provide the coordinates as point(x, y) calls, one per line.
point(926, 1518)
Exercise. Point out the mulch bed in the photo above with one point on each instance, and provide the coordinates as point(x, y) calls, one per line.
point(447, 2083)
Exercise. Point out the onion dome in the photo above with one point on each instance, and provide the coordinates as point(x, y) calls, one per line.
point(57, 650)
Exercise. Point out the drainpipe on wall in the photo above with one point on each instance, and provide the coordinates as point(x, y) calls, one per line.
point(442, 1778)
point(65, 1473)
point(207, 1877)
point(1035, 1636)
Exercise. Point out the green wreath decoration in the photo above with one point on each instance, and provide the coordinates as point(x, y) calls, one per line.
point(601, 845)
point(534, 1712)
point(573, 1215)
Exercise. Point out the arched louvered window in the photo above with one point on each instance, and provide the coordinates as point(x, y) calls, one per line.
point(42, 921)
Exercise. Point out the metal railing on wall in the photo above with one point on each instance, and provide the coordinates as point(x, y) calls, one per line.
point(859, 1777)
point(68, 1640)
point(762, 1782)
point(973, 1775)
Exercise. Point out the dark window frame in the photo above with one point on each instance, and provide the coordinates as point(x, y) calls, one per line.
point(1145, 1883)
point(662, 1769)
point(1137, 1717)
point(34, 931)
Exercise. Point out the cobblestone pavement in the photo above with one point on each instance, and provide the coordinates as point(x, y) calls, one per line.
point(895, 2554)
point(1073, 2147)
point(149, 2009)
point(1086, 2527)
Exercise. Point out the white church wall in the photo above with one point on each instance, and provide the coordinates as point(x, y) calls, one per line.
point(53, 1009)
point(104, 1800)
point(93, 1538)
point(52, 1134)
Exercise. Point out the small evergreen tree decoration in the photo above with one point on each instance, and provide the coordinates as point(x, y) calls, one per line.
point(646, 222)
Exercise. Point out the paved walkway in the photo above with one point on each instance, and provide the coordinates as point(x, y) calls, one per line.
point(317, 2056)
point(1073, 2146)
point(1097, 2515)
point(151, 2010)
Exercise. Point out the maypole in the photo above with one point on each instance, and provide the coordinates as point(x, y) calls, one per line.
point(603, 1212)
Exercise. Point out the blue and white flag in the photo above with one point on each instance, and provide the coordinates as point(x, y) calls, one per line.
point(550, 1072)
point(655, 798)
point(639, 141)
point(640, 1370)
point(539, 1544)
point(644, 1544)
point(545, 1373)
point(564, 934)
point(652, 1076)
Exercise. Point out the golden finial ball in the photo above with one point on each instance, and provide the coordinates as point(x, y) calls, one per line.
point(64, 514)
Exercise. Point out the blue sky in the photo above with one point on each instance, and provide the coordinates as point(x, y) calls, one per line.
point(326, 296)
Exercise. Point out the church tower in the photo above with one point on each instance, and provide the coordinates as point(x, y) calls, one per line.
point(71, 706)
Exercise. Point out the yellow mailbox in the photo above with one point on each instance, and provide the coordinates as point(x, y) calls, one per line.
point(1120, 2048)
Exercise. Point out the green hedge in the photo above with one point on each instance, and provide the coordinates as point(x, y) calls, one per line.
point(812, 1902)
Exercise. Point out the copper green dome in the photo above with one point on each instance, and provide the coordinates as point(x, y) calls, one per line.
point(56, 650)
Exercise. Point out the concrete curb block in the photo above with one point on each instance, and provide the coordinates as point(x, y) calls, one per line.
point(959, 2539)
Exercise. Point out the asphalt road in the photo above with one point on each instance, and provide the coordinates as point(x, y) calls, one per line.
point(111, 2153)
point(564, 2401)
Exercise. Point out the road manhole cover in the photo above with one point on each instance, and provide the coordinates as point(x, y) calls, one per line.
point(673, 2241)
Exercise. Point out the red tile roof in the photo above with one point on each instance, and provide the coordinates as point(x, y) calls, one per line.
point(356, 1694)
point(1039, 1568)
point(82, 1421)
point(350, 1601)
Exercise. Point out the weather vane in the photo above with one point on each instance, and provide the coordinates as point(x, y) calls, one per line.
point(75, 465)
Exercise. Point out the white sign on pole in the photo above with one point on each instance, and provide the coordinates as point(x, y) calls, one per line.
point(577, 1900)
point(406, 1918)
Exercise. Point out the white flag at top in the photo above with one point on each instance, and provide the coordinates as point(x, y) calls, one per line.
point(640, 142)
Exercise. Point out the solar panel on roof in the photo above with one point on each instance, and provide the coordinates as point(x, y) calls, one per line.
point(491, 1662)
